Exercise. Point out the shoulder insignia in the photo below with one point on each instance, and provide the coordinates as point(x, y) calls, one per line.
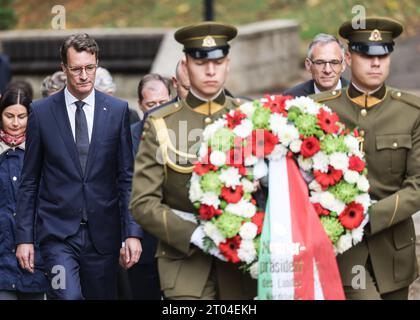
point(408, 98)
point(166, 110)
point(326, 96)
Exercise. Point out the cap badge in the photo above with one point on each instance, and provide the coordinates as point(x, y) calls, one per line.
point(375, 35)
point(209, 42)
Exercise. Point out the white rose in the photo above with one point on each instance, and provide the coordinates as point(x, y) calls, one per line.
point(218, 158)
point(246, 251)
point(344, 243)
point(351, 176)
point(363, 184)
point(339, 160)
point(248, 231)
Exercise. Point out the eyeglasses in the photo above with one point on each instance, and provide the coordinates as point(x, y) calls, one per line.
point(77, 71)
point(335, 64)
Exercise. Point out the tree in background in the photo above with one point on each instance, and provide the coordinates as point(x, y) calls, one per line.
point(8, 18)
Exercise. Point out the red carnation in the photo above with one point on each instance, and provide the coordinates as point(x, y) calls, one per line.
point(328, 121)
point(258, 220)
point(232, 195)
point(330, 178)
point(320, 209)
point(230, 249)
point(207, 212)
point(309, 147)
point(277, 104)
point(356, 164)
point(235, 120)
point(352, 216)
point(263, 142)
point(202, 168)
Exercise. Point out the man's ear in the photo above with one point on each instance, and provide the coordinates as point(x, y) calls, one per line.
point(308, 65)
point(63, 68)
point(348, 58)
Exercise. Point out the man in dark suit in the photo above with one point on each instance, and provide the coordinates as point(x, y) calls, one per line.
point(325, 62)
point(75, 183)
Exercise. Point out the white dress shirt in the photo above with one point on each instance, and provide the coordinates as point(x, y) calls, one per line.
point(88, 108)
point(337, 87)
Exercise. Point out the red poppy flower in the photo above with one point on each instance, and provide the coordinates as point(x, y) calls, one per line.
point(277, 104)
point(320, 209)
point(232, 195)
point(258, 220)
point(356, 164)
point(202, 168)
point(328, 121)
point(330, 178)
point(207, 212)
point(352, 216)
point(309, 147)
point(236, 119)
point(230, 249)
point(263, 142)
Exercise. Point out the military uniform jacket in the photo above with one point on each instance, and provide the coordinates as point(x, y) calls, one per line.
point(389, 123)
point(163, 167)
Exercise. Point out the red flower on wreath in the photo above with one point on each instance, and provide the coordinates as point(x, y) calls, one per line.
point(277, 104)
point(207, 212)
point(258, 220)
point(320, 209)
point(202, 168)
point(235, 120)
point(352, 216)
point(328, 121)
point(229, 249)
point(232, 195)
point(263, 142)
point(330, 178)
point(309, 147)
point(356, 164)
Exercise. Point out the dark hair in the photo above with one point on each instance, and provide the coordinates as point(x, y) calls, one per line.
point(24, 85)
point(12, 96)
point(79, 42)
point(152, 77)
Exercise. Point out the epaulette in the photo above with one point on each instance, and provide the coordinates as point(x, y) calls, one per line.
point(167, 110)
point(326, 96)
point(408, 98)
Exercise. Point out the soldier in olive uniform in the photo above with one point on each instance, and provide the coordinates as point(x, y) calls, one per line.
point(163, 168)
point(389, 126)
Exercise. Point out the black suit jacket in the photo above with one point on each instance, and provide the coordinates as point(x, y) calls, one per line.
point(307, 88)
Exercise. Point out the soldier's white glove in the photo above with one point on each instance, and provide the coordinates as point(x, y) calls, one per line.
point(197, 238)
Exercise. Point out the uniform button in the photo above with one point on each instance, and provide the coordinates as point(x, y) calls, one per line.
point(362, 133)
point(398, 94)
point(14, 178)
point(14, 214)
point(13, 250)
point(363, 112)
point(207, 120)
point(163, 253)
point(176, 105)
point(395, 144)
point(13, 286)
point(333, 92)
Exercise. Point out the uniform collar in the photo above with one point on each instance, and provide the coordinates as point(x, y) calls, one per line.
point(204, 106)
point(366, 99)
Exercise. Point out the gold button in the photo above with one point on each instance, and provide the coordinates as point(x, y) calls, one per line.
point(398, 94)
point(163, 253)
point(207, 120)
point(363, 112)
point(176, 105)
point(362, 133)
point(333, 92)
point(395, 144)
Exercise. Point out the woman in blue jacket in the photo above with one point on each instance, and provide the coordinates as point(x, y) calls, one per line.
point(15, 283)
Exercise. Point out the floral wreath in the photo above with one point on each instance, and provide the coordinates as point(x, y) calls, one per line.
point(232, 156)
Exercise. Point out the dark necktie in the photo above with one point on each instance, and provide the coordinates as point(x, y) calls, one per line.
point(82, 135)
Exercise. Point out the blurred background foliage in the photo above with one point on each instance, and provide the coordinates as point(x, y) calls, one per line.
point(314, 15)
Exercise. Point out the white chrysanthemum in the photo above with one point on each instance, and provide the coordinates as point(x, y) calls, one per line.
point(339, 160)
point(363, 184)
point(328, 201)
point(315, 186)
point(278, 152)
point(246, 251)
point(211, 129)
point(244, 130)
point(203, 151)
point(351, 176)
point(210, 199)
point(344, 243)
point(248, 231)
point(230, 177)
point(213, 233)
point(295, 145)
point(253, 270)
point(352, 144)
point(320, 161)
point(305, 163)
point(250, 161)
point(364, 200)
point(247, 185)
point(357, 234)
point(277, 122)
point(195, 191)
point(242, 209)
point(338, 206)
point(305, 104)
point(260, 169)
point(218, 158)
point(287, 134)
point(248, 108)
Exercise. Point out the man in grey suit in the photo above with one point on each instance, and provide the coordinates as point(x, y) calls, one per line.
point(325, 62)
